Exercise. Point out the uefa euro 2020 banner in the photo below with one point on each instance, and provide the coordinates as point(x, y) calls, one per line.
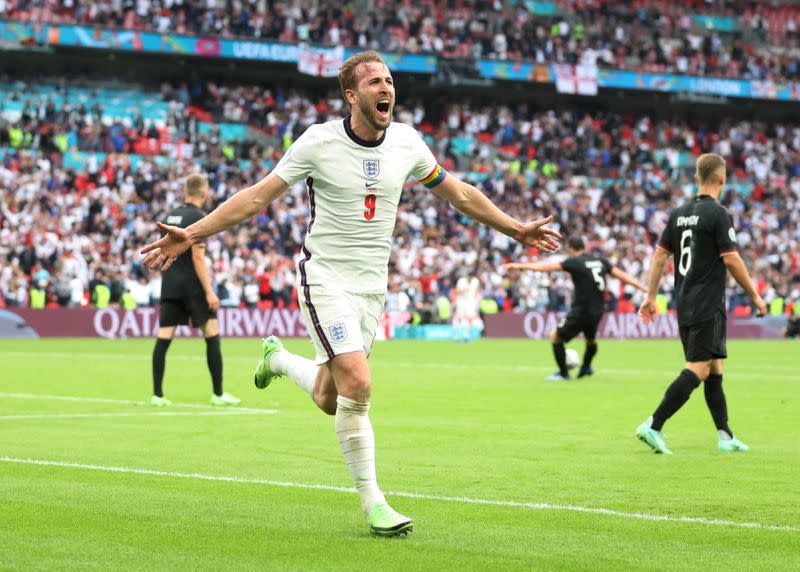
point(117, 323)
point(95, 37)
point(579, 79)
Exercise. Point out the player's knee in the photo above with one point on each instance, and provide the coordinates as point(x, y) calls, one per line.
point(166, 332)
point(554, 337)
point(700, 369)
point(360, 389)
point(210, 329)
point(353, 378)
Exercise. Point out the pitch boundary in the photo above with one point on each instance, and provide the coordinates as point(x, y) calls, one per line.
point(442, 498)
point(45, 397)
point(128, 414)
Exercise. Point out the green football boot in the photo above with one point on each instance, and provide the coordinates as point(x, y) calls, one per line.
point(224, 400)
point(157, 401)
point(652, 438)
point(732, 445)
point(263, 375)
point(383, 520)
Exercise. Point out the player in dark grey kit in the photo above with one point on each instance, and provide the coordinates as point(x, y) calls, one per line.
point(588, 274)
point(702, 240)
point(186, 293)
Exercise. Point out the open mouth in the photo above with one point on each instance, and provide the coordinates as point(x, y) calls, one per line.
point(383, 107)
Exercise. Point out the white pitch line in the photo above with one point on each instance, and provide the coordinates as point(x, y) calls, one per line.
point(141, 357)
point(463, 500)
point(143, 414)
point(128, 402)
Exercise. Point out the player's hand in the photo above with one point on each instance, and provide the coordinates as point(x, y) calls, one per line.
point(163, 252)
point(761, 306)
point(536, 235)
point(213, 301)
point(512, 266)
point(647, 310)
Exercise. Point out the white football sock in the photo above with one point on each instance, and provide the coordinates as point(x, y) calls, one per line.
point(354, 432)
point(303, 372)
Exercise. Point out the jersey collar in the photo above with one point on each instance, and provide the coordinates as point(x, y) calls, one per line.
point(358, 140)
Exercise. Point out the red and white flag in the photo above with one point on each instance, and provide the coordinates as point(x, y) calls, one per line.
point(321, 62)
point(580, 79)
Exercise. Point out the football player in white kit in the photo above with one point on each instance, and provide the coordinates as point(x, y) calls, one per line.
point(355, 170)
point(467, 297)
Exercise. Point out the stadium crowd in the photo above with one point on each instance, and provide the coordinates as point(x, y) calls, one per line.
point(607, 177)
point(646, 35)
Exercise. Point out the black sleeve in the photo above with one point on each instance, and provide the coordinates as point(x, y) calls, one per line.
point(607, 266)
point(568, 265)
point(665, 241)
point(191, 217)
point(724, 233)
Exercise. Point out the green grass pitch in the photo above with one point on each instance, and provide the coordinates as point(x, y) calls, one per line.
point(500, 469)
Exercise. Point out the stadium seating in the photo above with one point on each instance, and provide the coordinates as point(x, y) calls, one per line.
point(605, 176)
point(738, 39)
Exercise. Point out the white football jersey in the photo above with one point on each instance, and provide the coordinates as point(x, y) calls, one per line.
point(354, 187)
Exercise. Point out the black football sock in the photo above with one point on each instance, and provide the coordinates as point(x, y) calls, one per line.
point(159, 359)
point(561, 358)
point(214, 360)
point(676, 395)
point(591, 351)
point(715, 399)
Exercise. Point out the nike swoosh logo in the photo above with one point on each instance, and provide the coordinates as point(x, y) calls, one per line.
point(370, 185)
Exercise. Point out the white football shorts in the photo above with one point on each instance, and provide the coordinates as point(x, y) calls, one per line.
point(340, 322)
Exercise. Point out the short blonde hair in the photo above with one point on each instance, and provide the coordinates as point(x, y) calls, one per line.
point(196, 185)
point(709, 165)
point(347, 71)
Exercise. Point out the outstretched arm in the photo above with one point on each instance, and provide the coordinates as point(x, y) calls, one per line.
point(735, 265)
point(648, 309)
point(627, 278)
point(477, 206)
point(535, 266)
point(240, 206)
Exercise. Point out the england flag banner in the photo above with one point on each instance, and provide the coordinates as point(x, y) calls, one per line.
point(320, 62)
point(580, 79)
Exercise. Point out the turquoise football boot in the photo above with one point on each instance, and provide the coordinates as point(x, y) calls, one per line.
point(652, 438)
point(732, 445)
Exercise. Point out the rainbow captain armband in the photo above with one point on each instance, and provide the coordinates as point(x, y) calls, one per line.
point(434, 177)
